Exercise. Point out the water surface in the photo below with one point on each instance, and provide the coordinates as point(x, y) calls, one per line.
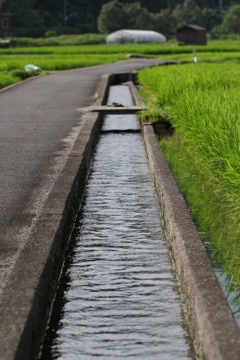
point(120, 298)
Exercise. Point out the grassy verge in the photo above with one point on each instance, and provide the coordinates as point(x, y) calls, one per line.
point(201, 101)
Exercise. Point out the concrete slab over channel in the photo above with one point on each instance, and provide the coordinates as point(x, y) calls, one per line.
point(103, 110)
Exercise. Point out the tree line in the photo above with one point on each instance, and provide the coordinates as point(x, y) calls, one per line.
point(36, 18)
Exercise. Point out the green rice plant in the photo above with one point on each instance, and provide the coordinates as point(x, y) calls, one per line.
point(60, 40)
point(202, 103)
point(56, 61)
point(7, 79)
point(39, 46)
point(205, 57)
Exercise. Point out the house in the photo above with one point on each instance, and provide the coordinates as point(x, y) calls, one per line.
point(192, 34)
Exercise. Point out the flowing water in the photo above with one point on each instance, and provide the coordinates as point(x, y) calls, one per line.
point(118, 297)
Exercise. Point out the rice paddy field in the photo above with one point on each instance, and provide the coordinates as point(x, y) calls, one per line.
point(54, 58)
point(200, 97)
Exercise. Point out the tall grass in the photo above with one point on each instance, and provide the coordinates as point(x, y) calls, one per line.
point(202, 103)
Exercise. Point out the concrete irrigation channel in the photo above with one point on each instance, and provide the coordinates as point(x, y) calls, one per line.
point(33, 250)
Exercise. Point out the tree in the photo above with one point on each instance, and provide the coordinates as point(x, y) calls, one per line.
point(112, 17)
point(178, 15)
point(116, 15)
point(211, 18)
point(25, 19)
point(138, 17)
point(231, 23)
point(188, 13)
point(165, 22)
point(36, 17)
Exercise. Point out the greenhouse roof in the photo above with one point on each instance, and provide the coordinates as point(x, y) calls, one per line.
point(135, 36)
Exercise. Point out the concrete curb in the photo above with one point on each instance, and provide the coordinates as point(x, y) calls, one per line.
point(213, 327)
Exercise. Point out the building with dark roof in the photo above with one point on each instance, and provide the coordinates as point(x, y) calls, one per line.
point(192, 34)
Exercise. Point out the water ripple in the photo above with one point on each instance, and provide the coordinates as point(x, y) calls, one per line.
point(122, 300)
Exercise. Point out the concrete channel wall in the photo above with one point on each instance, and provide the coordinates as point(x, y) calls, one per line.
point(30, 292)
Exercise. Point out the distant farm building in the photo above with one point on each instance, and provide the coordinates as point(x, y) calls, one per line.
point(192, 35)
point(135, 37)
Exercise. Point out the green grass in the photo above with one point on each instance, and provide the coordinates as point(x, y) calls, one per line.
point(7, 79)
point(202, 103)
point(60, 40)
point(215, 57)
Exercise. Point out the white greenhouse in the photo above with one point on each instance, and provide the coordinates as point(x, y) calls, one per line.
point(135, 37)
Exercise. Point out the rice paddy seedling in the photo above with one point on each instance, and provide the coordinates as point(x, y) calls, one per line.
point(73, 56)
point(7, 79)
point(68, 46)
point(60, 40)
point(201, 101)
point(13, 64)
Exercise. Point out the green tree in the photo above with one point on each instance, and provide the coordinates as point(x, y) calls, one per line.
point(178, 15)
point(165, 22)
point(188, 13)
point(36, 17)
point(231, 23)
point(25, 19)
point(138, 17)
point(211, 18)
point(115, 15)
point(112, 17)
